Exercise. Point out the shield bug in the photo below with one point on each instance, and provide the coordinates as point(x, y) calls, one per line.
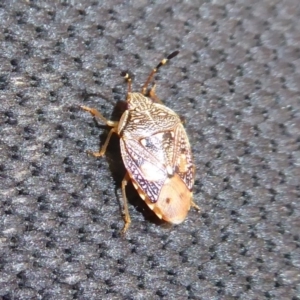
point(156, 152)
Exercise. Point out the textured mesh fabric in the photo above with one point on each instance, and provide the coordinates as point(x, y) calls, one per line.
point(236, 82)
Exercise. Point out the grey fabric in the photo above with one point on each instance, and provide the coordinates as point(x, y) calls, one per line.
point(236, 83)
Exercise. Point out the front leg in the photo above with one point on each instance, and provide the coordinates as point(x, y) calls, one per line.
point(153, 96)
point(95, 113)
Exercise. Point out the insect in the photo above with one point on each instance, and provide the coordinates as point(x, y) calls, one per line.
point(155, 150)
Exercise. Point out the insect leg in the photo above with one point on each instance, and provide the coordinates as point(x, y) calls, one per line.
point(95, 113)
point(153, 95)
point(103, 148)
point(126, 217)
point(163, 62)
point(193, 204)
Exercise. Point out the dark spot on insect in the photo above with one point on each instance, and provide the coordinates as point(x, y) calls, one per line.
point(182, 150)
point(148, 143)
point(167, 135)
point(168, 200)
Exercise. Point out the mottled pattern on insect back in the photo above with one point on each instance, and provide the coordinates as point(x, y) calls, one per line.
point(154, 145)
point(156, 153)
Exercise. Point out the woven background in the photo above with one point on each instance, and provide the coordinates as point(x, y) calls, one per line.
point(236, 82)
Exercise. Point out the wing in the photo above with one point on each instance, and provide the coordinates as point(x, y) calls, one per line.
point(152, 160)
point(143, 167)
point(182, 158)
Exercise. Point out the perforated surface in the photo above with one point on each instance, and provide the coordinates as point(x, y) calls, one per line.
point(236, 82)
